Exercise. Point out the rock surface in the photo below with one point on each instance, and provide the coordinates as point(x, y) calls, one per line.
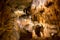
point(19, 19)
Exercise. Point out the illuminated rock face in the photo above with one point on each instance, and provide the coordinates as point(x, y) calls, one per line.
point(48, 15)
point(46, 12)
point(9, 29)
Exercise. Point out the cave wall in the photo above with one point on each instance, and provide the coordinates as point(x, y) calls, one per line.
point(8, 25)
point(9, 29)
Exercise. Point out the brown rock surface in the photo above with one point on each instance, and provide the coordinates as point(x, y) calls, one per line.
point(46, 14)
